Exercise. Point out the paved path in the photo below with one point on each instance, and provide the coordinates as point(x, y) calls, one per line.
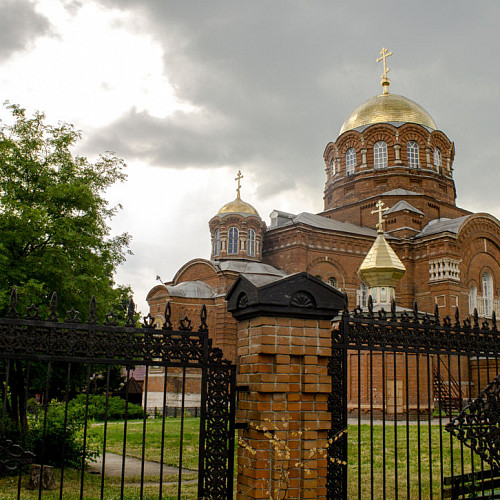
point(132, 467)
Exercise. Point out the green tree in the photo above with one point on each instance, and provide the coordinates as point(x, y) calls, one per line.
point(54, 232)
point(54, 236)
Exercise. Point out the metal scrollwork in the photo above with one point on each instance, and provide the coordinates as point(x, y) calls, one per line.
point(477, 425)
point(13, 457)
point(128, 345)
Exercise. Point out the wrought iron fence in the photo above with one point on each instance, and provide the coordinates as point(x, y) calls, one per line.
point(50, 369)
point(415, 406)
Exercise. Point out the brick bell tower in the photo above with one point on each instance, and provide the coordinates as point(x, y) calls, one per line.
point(237, 230)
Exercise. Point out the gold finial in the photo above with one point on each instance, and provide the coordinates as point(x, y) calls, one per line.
point(380, 210)
point(238, 177)
point(385, 81)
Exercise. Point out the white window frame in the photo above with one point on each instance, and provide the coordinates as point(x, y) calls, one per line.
point(487, 283)
point(380, 155)
point(332, 165)
point(438, 158)
point(216, 243)
point(233, 238)
point(412, 154)
point(350, 161)
point(251, 243)
point(363, 293)
point(472, 299)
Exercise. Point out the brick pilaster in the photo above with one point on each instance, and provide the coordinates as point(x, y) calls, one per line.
point(283, 367)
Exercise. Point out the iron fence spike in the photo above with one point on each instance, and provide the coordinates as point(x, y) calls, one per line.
point(92, 309)
point(370, 305)
point(436, 314)
point(13, 304)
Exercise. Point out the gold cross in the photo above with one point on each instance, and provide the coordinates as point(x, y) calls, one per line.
point(380, 210)
point(238, 177)
point(384, 55)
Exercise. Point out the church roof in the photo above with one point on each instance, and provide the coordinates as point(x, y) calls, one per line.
point(388, 108)
point(321, 222)
point(403, 205)
point(238, 206)
point(248, 267)
point(441, 226)
point(194, 289)
point(381, 266)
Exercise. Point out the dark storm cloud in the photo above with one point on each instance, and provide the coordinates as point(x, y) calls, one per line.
point(273, 81)
point(20, 25)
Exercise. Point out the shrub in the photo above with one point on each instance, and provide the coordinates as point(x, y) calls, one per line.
point(116, 407)
point(58, 444)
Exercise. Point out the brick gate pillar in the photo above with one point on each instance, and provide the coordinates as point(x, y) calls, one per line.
point(283, 347)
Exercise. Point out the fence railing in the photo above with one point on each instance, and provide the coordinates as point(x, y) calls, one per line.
point(410, 418)
point(58, 379)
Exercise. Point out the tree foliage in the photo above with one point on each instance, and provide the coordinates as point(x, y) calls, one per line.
point(54, 232)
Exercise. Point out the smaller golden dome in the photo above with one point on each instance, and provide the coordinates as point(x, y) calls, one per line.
point(238, 206)
point(386, 108)
point(381, 267)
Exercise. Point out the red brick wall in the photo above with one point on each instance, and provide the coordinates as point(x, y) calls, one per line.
point(283, 362)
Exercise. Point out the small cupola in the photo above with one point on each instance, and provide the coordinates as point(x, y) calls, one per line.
point(237, 230)
point(381, 269)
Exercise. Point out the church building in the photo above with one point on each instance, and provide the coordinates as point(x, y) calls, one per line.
point(391, 162)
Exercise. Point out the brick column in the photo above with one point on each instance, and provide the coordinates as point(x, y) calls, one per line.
point(283, 352)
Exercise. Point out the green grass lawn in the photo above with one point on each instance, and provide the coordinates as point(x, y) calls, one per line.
point(406, 474)
point(92, 488)
point(376, 476)
point(153, 440)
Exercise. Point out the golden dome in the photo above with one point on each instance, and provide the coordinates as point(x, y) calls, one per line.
point(238, 206)
point(381, 267)
point(388, 108)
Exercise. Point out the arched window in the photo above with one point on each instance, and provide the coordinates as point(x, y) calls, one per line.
point(233, 240)
point(363, 295)
point(412, 154)
point(472, 299)
point(438, 163)
point(333, 166)
point(487, 282)
point(380, 155)
point(332, 281)
point(216, 243)
point(350, 161)
point(251, 243)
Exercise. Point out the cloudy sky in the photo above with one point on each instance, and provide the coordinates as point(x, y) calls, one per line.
point(189, 92)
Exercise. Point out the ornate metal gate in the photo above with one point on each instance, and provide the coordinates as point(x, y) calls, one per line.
point(415, 406)
point(36, 352)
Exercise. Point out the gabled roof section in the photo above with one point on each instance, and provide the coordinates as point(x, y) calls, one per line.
point(443, 225)
point(320, 222)
point(403, 205)
point(400, 192)
point(298, 295)
point(248, 267)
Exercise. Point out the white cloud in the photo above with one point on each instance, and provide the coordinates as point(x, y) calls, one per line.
point(90, 69)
